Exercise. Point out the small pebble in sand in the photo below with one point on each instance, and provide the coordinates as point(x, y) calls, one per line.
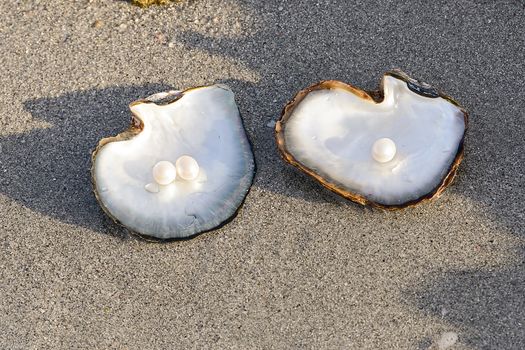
point(446, 340)
point(271, 124)
point(98, 24)
point(161, 37)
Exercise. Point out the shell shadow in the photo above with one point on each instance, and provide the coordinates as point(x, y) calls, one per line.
point(48, 170)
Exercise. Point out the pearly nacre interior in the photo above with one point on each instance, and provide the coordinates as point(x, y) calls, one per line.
point(332, 132)
point(204, 123)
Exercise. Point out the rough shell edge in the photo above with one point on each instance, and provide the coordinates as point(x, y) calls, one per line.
point(376, 96)
point(133, 130)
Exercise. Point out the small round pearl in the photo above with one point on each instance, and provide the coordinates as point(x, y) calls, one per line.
point(187, 168)
point(164, 172)
point(384, 150)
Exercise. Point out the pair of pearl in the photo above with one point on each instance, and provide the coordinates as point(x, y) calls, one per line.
point(186, 167)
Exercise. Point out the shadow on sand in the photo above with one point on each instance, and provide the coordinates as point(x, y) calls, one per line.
point(487, 306)
point(48, 170)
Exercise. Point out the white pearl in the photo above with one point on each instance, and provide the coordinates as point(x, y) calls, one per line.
point(384, 150)
point(187, 168)
point(164, 172)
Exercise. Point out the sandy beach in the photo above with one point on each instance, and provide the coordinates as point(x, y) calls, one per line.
point(299, 267)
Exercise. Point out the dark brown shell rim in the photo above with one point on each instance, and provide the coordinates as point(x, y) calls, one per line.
point(376, 96)
point(135, 128)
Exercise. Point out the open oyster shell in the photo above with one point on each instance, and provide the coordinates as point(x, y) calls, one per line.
point(202, 122)
point(329, 129)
